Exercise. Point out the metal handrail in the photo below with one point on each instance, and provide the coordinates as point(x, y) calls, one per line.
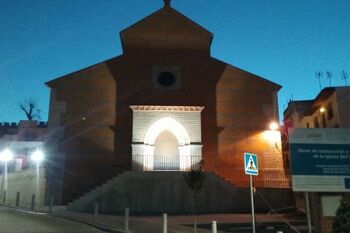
point(159, 162)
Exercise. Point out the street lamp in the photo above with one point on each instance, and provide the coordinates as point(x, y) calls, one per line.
point(5, 156)
point(273, 125)
point(272, 135)
point(37, 156)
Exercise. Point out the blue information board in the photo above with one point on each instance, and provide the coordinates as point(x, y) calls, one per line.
point(320, 160)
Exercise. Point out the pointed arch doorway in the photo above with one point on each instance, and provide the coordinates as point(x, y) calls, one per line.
point(166, 152)
point(164, 138)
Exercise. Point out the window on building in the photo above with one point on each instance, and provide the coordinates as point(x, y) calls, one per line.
point(330, 111)
point(316, 124)
point(324, 123)
point(166, 79)
point(307, 125)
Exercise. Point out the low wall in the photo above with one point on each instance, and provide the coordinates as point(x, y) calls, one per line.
point(24, 182)
point(160, 192)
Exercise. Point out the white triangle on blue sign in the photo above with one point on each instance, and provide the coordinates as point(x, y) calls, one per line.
point(251, 166)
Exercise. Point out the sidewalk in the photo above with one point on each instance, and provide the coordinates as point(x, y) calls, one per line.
point(153, 224)
point(138, 224)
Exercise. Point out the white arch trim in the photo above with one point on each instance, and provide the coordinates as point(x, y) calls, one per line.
point(170, 124)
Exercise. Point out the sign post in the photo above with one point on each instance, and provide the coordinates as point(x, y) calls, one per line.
point(308, 215)
point(251, 169)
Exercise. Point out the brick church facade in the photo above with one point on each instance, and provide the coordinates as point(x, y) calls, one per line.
point(163, 104)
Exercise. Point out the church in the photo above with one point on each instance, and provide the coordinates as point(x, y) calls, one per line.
point(163, 105)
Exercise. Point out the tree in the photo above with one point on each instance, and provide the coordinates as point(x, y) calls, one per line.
point(30, 108)
point(194, 180)
point(341, 222)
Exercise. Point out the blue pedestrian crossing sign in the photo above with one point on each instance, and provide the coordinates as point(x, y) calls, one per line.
point(251, 164)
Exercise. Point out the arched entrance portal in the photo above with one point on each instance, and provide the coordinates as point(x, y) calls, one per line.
point(172, 142)
point(167, 147)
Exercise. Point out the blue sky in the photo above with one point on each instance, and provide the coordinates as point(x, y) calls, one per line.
point(280, 40)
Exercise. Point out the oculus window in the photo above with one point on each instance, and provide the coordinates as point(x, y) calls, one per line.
point(166, 77)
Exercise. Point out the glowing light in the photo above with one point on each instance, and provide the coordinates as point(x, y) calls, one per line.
point(37, 155)
point(273, 126)
point(272, 136)
point(6, 155)
point(322, 109)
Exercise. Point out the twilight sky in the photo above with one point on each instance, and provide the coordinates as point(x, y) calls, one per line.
point(285, 41)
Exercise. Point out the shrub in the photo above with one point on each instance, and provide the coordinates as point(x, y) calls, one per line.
point(341, 222)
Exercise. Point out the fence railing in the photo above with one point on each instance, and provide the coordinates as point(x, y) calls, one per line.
point(277, 178)
point(266, 178)
point(165, 162)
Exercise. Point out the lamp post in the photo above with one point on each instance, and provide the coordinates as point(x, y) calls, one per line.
point(37, 156)
point(5, 156)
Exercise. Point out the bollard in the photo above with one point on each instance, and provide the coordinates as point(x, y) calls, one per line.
point(213, 227)
point(4, 197)
point(165, 223)
point(126, 219)
point(51, 205)
point(96, 212)
point(17, 199)
point(32, 206)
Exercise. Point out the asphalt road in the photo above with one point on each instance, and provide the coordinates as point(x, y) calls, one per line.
point(18, 221)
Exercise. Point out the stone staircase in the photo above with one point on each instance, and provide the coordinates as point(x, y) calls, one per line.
point(166, 191)
point(79, 204)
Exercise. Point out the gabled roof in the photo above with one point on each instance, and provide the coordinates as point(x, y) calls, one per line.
point(165, 28)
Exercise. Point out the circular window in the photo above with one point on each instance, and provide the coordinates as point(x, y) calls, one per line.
point(166, 79)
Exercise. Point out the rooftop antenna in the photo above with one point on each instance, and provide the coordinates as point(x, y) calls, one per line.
point(319, 75)
point(344, 76)
point(329, 77)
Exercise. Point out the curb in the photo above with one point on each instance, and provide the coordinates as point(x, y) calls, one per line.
point(97, 226)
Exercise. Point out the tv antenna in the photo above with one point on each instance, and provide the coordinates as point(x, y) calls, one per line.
point(329, 75)
point(319, 75)
point(344, 76)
